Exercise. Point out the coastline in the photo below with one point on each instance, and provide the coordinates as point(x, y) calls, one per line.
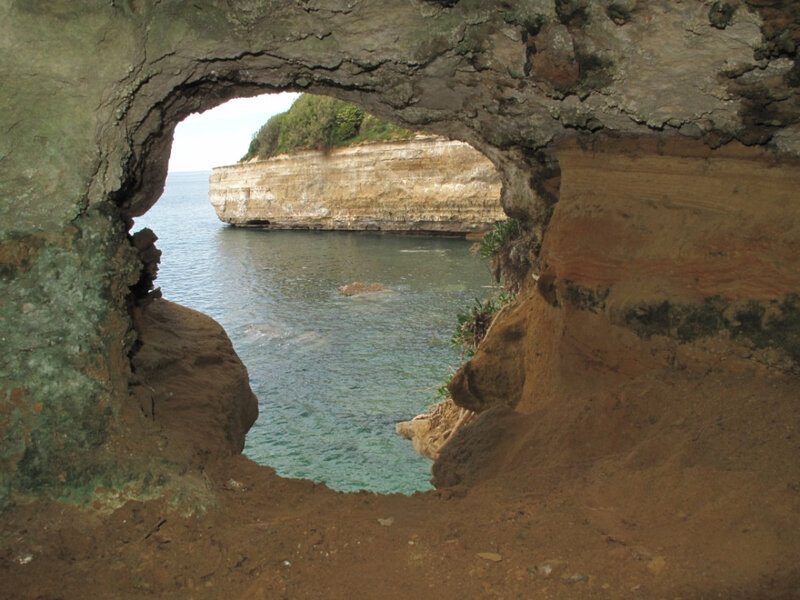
point(427, 185)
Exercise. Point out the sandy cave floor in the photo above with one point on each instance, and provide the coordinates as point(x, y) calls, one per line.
point(275, 538)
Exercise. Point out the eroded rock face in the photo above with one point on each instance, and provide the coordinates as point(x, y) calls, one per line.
point(93, 90)
point(661, 307)
point(428, 184)
point(196, 391)
point(430, 431)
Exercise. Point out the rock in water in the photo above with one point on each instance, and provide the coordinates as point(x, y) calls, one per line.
point(357, 288)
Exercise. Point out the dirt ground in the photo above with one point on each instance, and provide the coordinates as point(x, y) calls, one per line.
point(273, 538)
point(713, 518)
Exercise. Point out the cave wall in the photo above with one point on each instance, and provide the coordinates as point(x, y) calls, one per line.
point(693, 246)
point(655, 361)
point(92, 91)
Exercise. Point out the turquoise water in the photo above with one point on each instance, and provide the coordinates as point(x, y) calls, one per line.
point(332, 374)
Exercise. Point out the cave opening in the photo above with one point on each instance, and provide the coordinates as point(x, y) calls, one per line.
point(333, 373)
point(652, 449)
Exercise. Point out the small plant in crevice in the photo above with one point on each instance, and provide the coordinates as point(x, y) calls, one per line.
point(498, 246)
point(507, 249)
point(442, 393)
point(493, 242)
point(473, 325)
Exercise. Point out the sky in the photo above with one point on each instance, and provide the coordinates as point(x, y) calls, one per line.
point(220, 136)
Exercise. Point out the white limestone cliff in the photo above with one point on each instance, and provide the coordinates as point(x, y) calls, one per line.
point(428, 184)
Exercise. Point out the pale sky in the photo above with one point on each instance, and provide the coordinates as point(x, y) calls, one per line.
point(220, 136)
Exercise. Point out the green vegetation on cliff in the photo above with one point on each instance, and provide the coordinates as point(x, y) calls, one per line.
point(509, 252)
point(473, 325)
point(319, 123)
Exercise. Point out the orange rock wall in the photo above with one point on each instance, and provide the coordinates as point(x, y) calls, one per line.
point(676, 220)
point(706, 236)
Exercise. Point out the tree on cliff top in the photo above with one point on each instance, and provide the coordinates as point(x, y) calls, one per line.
point(319, 123)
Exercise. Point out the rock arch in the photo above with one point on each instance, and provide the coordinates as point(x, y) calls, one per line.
point(570, 99)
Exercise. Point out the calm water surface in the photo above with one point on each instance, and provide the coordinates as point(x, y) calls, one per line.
point(332, 374)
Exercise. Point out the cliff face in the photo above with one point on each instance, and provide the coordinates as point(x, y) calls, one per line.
point(428, 184)
point(639, 296)
point(652, 365)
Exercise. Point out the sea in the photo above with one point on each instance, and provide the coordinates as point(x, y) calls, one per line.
point(333, 374)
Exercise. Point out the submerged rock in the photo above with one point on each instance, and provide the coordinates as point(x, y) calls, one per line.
point(358, 289)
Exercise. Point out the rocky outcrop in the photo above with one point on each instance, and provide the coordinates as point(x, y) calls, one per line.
point(430, 431)
point(427, 184)
point(196, 392)
point(660, 307)
point(512, 81)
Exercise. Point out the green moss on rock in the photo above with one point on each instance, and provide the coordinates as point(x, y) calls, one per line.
point(774, 324)
point(720, 14)
point(584, 298)
point(60, 387)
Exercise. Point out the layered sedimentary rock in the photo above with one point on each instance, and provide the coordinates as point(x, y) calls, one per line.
point(427, 184)
point(645, 330)
point(658, 368)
